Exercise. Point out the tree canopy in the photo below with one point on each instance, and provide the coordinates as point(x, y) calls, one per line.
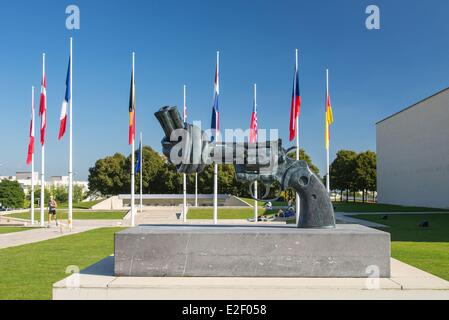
point(11, 194)
point(111, 176)
point(354, 172)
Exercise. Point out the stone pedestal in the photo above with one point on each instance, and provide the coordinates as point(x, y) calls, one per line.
point(349, 251)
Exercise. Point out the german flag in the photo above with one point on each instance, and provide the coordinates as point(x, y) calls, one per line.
point(132, 110)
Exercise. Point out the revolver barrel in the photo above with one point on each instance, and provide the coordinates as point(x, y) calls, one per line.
point(170, 120)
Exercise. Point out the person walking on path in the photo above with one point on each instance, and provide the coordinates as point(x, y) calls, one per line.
point(52, 205)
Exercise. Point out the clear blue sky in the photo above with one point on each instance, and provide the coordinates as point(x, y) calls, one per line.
point(373, 73)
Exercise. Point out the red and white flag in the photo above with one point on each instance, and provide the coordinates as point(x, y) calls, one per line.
point(31, 143)
point(43, 106)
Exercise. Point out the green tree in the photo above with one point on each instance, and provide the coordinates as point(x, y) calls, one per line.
point(153, 165)
point(110, 176)
point(60, 194)
point(365, 171)
point(11, 194)
point(342, 173)
point(78, 193)
point(37, 194)
point(305, 157)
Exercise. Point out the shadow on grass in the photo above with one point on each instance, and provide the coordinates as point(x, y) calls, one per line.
point(405, 227)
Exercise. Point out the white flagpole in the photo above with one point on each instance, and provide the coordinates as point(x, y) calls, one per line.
point(196, 189)
point(141, 176)
point(184, 177)
point(328, 183)
point(42, 199)
point(32, 159)
point(215, 164)
point(70, 211)
point(297, 147)
point(132, 161)
point(256, 215)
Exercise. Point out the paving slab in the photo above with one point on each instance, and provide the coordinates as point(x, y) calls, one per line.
point(160, 288)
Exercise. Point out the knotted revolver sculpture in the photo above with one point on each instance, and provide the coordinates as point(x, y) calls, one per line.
point(190, 150)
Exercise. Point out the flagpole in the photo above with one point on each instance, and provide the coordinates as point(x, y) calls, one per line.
point(184, 177)
point(132, 160)
point(215, 163)
point(196, 189)
point(42, 199)
point(32, 158)
point(327, 132)
point(70, 211)
point(256, 216)
point(297, 146)
point(141, 165)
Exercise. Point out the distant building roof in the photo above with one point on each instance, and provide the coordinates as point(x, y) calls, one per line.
point(413, 105)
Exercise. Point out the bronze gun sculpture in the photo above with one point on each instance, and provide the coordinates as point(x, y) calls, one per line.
point(189, 148)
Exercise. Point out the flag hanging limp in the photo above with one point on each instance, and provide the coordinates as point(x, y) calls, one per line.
point(329, 121)
point(132, 111)
point(215, 123)
point(139, 158)
point(65, 103)
point(253, 125)
point(31, 142)
point(295, 105)
point(43, 107)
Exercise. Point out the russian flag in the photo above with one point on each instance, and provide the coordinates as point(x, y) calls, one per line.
point(65, 103)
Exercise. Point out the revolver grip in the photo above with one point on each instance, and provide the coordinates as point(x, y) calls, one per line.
point(316, 210)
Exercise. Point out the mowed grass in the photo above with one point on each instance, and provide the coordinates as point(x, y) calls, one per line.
point(351, 207)
point(424, 248)
point(77, 215)
point(29, 271)
point(355, 207)
point(4, 230)
point(225, 213)
point(82, 205)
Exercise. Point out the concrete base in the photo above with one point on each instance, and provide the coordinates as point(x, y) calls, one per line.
point(349, 251)
point(98, 283)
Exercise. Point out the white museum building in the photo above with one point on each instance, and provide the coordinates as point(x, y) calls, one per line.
point(413, 154)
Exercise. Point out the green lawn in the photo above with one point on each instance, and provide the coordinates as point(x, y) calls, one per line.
point(28, 271)
point(424, 248)
point(354, 207)
point(4, 230)
point(351, 207)
point(77, 215)
point(241, 213)
point(82, 205)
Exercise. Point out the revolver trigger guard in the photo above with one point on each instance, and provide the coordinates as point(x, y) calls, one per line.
point(267, 192)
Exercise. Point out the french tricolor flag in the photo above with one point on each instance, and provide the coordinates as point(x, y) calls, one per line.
point(65, 103)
